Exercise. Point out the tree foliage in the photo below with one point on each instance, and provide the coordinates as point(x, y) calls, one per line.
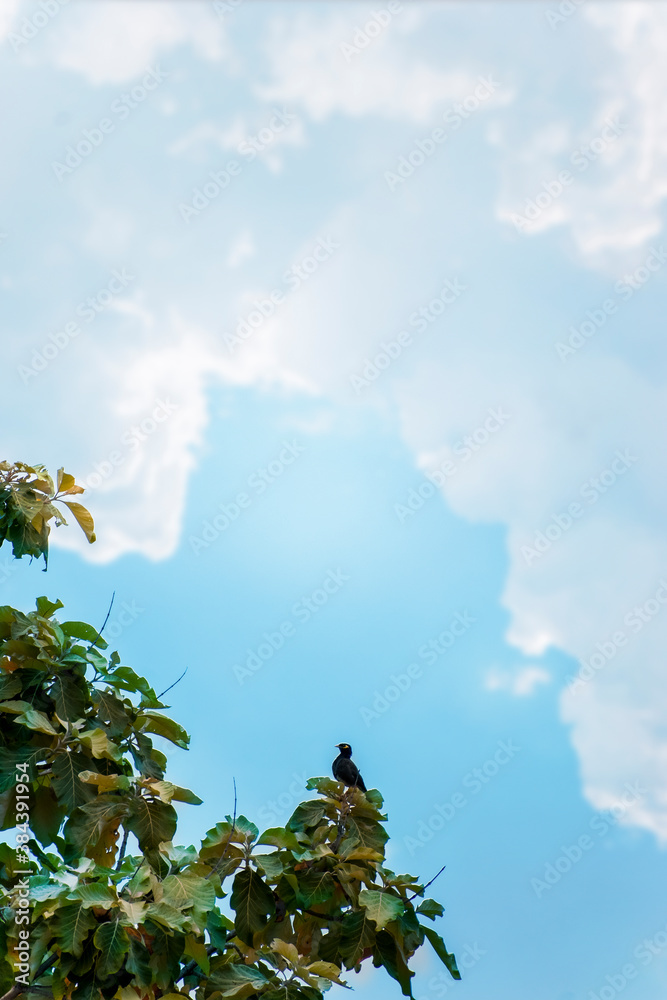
point(284, 913)
point(27, 503)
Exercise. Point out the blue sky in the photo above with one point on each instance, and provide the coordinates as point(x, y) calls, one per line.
point(392, 385)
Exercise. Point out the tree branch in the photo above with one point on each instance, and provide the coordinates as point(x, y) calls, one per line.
point(17, 989)
point(98, 636)
point(425, 887)
point(174, 684)
point(123, 848)
point(215, 868)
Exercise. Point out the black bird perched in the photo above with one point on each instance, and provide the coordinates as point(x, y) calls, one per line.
point(345, 770)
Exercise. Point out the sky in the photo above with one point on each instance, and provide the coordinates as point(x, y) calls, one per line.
point(348, 317)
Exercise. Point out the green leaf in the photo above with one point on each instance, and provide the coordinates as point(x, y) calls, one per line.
point(70, 790)
point(94, 894)
point(92, 828)
point(253, 902)
point(71, 925)
point(358, 934)
point(46, 608)
point(186, 888)
point(10, 685)
point(363, 832)
point(46, 815)
point(37, 721)
point(326, 786)
point(306, 815)
point(314, 887)
point(278, 837)
point(429, 908)
point(113, 943)
point(381, 907)
point(112, 711)
point(82, 630)
point(151, 822)
point(161, 725)
point(238, 980)
point(441, 951)
point(387, 953)
point(70, 695)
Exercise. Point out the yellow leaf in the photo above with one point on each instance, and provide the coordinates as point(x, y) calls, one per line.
point(134, 912)
point(327, 970)
point(105, 782)
point(288, 951)
point(99, 744)
point(66, 483)
point(83, 517)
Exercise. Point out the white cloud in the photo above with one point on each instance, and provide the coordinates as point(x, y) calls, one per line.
point(112, 43)
point(521, 683)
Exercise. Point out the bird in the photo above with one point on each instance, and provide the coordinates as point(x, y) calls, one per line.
point(345, 770)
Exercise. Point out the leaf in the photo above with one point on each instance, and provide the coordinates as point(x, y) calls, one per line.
point(161, 725)
point(92, 828)
point(99, 744)
point(151, 822)
point(381, 907)
point(314, 888)
point(186, 888)
point(441, 951)
point(306, 815)
point(84, 519)
point(388, 954)
point(326, 786)
point(197, 950)
point(166, 791)
point(66, 769)
point(9, 686)
point(94, 894)
point(106, 782)
point(358, 934)
point(71, 924)
point(253, 902)
point(288, 951)
point(278, 837)
point(429, 908)
point(66, 483)
point(79, 630)
point(134, 912)
point(234, 976)
point(70, 695)
point(36, 720)
point(328, 970)
point(363, 832)
point(46, 608)
point(46, 815)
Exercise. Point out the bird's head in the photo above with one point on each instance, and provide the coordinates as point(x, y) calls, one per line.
point(345, 749)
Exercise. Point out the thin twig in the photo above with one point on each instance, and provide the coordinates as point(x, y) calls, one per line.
point(17, 989)
point(322, 916)
point(216, 866)
point(103, 626)
point(123, 848)
point(425, 887)
point(174, 684)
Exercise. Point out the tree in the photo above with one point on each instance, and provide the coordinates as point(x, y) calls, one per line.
point(81, 775)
